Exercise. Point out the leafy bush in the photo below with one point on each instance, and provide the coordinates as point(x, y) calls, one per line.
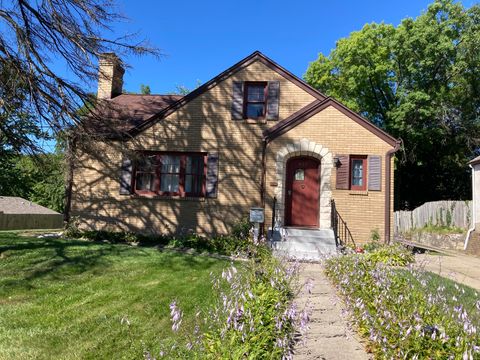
point(375, 235)
point(253, 318)
point(239, 241)
point(372, 246)
point(72, 228)
point(241, 230)
point(394, 255)
point(404, 312)
point(438, 229)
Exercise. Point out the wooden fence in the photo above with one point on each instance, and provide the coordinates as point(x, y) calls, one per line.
point(30, 221)
point(438, 213)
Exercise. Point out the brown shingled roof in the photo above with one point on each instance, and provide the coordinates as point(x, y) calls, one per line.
point(18, 205)
point(127, 111)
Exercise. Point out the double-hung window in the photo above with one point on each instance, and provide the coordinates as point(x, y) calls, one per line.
point(255, 100)
point(358, 172)
point(145, 177)
point(170, 174)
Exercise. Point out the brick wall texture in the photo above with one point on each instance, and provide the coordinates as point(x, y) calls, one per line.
point(205, 124)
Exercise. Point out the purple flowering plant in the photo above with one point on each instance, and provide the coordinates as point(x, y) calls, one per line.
point(254, 315)
point(404, 311)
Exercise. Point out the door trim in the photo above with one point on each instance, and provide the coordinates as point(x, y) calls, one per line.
point(288, 200)
point(304, 147)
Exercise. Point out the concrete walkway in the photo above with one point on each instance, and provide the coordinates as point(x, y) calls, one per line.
point(329, 336)
point(461, 268)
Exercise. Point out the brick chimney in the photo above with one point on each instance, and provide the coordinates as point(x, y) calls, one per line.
point(110, 76)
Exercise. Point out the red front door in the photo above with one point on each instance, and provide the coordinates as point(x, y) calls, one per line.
point(302, 192)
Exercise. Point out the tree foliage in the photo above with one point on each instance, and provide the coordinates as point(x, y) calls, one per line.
point(35, 36)
point(18, 128)
point(39, 178)
point(420, 81)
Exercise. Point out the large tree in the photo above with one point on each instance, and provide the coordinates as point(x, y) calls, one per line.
point(420, 81)
point(35, 35)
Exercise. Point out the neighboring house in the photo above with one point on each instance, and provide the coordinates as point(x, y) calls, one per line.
point(18, 214)
point(472, 240)
point(200, 162)
point(475, 166)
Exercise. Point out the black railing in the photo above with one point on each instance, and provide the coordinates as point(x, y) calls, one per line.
point(343, 236)
point(274, 208)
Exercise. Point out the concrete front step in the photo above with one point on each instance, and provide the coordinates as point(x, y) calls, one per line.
point(305, 244)
point(291, 231)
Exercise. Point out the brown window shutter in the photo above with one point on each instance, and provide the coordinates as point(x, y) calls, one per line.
point(212, 175)
point(126, 177)
point(273, 100)
point(374, 172)
point(237, 100)
point(343, 172)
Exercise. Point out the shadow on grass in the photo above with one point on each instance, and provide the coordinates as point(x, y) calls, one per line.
point(30, 259)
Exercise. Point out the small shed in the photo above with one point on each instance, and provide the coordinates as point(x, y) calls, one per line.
point(17, 213)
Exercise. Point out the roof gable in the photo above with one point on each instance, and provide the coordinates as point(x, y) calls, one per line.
point(256, 56)
point(144, 111)
point(314, 108)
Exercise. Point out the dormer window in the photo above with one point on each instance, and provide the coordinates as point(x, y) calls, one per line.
point(255, 100)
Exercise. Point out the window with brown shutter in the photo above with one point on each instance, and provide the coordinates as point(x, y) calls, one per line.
point(170, 174)
point(255, 100)
point(358, 172)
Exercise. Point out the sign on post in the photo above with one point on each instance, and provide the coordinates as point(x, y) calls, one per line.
point(257, 216)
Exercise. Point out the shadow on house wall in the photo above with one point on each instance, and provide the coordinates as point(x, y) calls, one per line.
point(205, 125)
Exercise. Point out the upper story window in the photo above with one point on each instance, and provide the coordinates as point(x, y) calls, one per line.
point(358, 171)
point(255, 100)
point(170, 174)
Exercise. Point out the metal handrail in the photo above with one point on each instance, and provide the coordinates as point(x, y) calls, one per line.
point(342, 233)
point(274, 206)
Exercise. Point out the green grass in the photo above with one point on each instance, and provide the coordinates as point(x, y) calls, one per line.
point(438, 229)
point(66, 299)
point(467, 296)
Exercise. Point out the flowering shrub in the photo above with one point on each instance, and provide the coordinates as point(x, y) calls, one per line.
point(404, 312)
point(254, 316)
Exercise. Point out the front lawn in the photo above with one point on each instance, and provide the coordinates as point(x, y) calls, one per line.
point(79, 299)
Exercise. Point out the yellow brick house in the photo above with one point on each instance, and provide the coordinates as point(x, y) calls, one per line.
point(253, 136)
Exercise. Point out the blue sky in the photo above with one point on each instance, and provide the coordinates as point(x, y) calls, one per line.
point(202, 38)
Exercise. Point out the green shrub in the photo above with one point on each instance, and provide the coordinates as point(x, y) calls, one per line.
point(372, 246)
point(375, 235)
point(241, 230)
point(72, 228)
point(239, 241)
point(394, 255)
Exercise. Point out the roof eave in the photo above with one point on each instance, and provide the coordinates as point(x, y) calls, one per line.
point(257, 55)
point(316, 107)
